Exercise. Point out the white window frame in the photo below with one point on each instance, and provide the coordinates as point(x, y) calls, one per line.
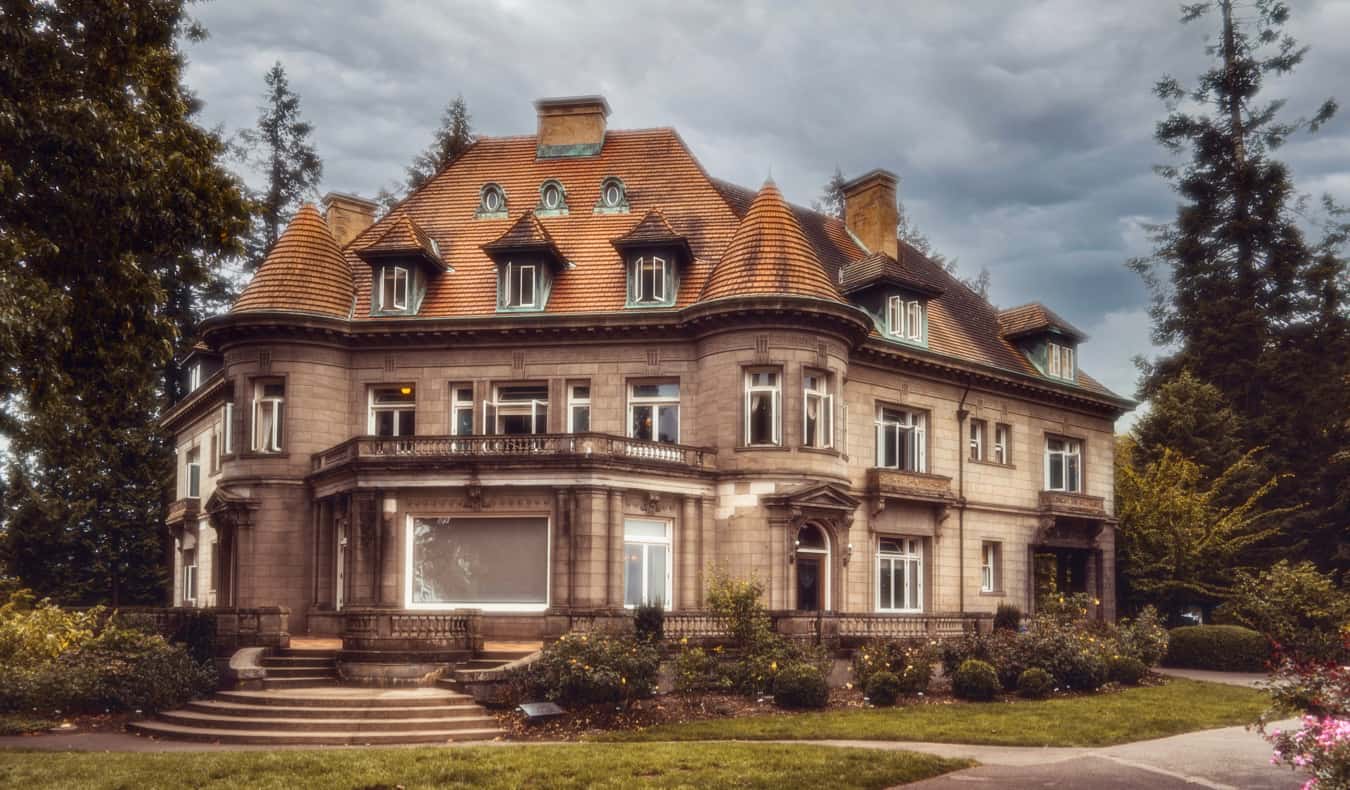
point(227, 434)
point(1002, 443)
point(194, 376)
point(192, 460)
point(398, 300)
point(189, 576)
point(517, 270)
point(408, 541)
point(911, 428)
point(374, 408)
point(492, 190)
point(658, 404)
point(824, 398)
point(1059, 361)
point(556, 188)
point(575, 401)
point(660, 268)
point(493, 410)
point(277, 403)
point(645, 543)
point(904, 318)
point(976, 444)
point(989, 562)
point(1070, 449)
point(910, 553)
point(457, 405)
point(775, 405)
point(611, 183)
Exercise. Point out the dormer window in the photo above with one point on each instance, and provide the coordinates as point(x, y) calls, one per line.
point(905, 318)
point(393, 291)
point(552, 198)
point(650, 282)
point(613, 197)
point(491, 201)
point(520, 285)
point(1059, 361)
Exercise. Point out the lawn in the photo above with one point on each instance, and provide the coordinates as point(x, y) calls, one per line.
point(557, 766)
point(1091, 720)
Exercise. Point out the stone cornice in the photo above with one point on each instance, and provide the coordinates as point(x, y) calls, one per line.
point(206, 397)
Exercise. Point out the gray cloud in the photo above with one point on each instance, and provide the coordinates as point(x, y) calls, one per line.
point(1022, 132)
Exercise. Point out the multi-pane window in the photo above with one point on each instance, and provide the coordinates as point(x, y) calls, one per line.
point(1063, 464)
point(269, 398)
point(227, 429)
point(978, 428)
point(194, 472)
point(646, 562)
point(517, 409)
point(1059, 361)
point(989, 566)
point(578, 408)
point(900, 575)
point(1002, 443)
point(461, 410)
point(393, 288)
point(817, 410)
point(654, 411)
point(901, 442)
point(763, 404)
point(520, 286)
point(190, 575)
point(904, 318)
point(650, 280)
point(393, 411)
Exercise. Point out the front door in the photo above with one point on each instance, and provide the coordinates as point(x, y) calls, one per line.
point(810, 583)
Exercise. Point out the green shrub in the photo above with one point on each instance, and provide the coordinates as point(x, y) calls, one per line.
point(975, 680)
point(738, 602)
point(1035, 683)
point(1007, 618)
point(1126, 670)
point(1074, 655)
point(649, 622)
point(594, 668)
point(1228, 648)
point(955, 652)
point(910, 662)
point(882, 688)
point(695, 671)
point(197, 633)
point(800, 685)
point(1143, 638)
point(1298, 608)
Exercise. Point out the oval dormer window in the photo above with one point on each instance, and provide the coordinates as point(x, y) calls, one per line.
point(611, 193)
point(551, 196)
point(492, 200)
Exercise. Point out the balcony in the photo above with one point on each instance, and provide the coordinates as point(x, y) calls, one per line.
point(181, 510)
point(909, 486)
point(531, 450)
point(1069, 505)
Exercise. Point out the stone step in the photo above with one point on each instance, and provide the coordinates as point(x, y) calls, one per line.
point(298, 661)
point(163, 729)
point(300, 672)
point(222, 708)
point(211, 721)
point(298, 682)
point(504, 655)
point(306, 653)
point(347, 697)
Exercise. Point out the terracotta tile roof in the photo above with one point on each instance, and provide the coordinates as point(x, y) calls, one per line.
point(305, 272)
point(878, 268)
point(770, 254)
point(653, 230)
point(403, 237)
point(526, 234)
point(1035, 317)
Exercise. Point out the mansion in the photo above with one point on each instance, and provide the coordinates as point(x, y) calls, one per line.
point(574, 372)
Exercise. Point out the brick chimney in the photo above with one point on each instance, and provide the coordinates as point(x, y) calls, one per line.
point(348, 215)
point(571, 126)
point(870, 211)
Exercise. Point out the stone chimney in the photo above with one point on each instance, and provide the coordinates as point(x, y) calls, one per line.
point(870, 211)
point(348, 215)
point(571, 126)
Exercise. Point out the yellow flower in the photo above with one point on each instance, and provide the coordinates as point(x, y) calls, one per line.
point(623, 681)
point(773, 667)
point(684, 640)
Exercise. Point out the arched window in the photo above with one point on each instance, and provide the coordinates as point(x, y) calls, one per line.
point(613, 196)
point(552, 197)
point(813, 569)
point(491, 201)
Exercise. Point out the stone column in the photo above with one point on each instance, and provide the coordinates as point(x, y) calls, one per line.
point(387, 584)
point(686, 583)
point(562, 541)
point(707, 545)
point(614, 556)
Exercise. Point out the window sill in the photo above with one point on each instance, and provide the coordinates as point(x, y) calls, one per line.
point(819, 450)
point(993, 593)
point(755, 448)
point(994, 464)
point(250, 455)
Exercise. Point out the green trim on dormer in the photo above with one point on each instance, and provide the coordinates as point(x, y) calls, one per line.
point(670, 285)
point(540, 286)
point(1037, 351)
point(875, 301)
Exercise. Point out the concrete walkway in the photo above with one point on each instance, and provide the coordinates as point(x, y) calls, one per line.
point(1248, 679)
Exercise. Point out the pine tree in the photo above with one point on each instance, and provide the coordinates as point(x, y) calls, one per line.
point(112, 197)
point(453, 138)
point(281, 150)
point(1250, 305)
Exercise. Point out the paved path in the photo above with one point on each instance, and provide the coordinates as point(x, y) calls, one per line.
point(1248, 679)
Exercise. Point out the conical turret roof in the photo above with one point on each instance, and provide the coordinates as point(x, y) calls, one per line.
point(304, 272)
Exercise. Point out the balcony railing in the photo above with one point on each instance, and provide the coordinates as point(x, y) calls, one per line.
point(916, 486)
point(580, 446)
point(1064, 503)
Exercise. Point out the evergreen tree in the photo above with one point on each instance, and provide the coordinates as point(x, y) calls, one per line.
point(1194, 419)
point(453, 138)
point(281, 150)
point(112, 198)
point(1250, 305)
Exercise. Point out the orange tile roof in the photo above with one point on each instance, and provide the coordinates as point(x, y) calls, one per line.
point(770, 255)
point(652, 230)
point(526, 234)
point(305, 272)
point(1034, 317)
point(403, 237)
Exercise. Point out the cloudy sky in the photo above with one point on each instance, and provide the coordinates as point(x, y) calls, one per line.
point(1022, 131)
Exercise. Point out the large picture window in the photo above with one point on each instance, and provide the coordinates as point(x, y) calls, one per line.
point(654, 411)
point(901, 442)
point(494, 564)
point(900, 575)
point(763, 404)
point(646, 562)
point(517, 409)
point(1063, 464)
point(818, 410)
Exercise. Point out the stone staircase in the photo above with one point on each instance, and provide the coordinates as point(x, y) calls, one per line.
point(489, 659)
point(300, 668)
point(326, 716)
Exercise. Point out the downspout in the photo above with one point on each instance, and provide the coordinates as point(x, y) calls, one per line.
point(961, 415)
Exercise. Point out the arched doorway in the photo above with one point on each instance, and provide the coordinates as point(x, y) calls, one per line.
point(813, 569)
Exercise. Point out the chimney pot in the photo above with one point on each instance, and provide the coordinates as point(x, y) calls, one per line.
point(870, 211)
point(348, 215)
point(571, 126)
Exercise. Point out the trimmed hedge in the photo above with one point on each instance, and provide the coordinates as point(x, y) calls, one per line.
point(1126, 670)
point(1035, 683)
point(975, 680)
point(883, 688)
point(1227, 648)
point(800, 685)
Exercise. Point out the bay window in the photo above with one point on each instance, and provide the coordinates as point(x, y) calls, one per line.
point(189, 575)
point(269, 397)
point(646, 562)
point(517, 409)
point(227, 429)
point(1063, 464)
point(578, 408)
point(194, 473)
point(900, 575)
point(817, 410)
point(901, 439)
point(654, 411)
point(763, 399)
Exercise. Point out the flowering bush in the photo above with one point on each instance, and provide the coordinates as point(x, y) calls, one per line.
point(1321, 749)
point(1321, 746)
point(910, 662)
point(1144, 638)
point(1073, 654)
point(1298, 608)
point(589, 668)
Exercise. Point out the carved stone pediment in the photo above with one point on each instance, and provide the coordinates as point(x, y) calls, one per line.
point(816, 501)
point(230, 509)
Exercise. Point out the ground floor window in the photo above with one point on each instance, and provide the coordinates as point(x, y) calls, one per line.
point(190, 575)
point(991, 561)
point(489, 563)
point(900, 575)
point(646, 562)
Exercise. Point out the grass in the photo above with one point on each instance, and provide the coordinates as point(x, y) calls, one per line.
point(1099, 720)
point(19, 724)
point(545, 766)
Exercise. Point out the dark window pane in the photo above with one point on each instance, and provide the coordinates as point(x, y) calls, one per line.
point(669, 424)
